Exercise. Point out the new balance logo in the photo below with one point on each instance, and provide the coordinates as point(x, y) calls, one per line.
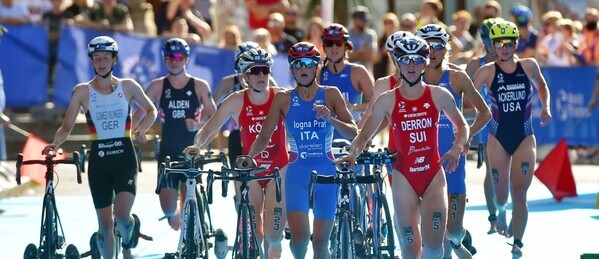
point(419, 160)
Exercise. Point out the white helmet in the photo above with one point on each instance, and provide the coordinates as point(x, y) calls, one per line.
point(396, 36)
point(102, 43)
point(411, 46)
point(254, 56)
point(433, 31)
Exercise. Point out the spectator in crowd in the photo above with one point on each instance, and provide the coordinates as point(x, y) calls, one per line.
point(492, 9)
point(527, 42)
point(589, 48)
point(382, 61)
point(281, 40)
point(314, 32)
point(291, 26)
point(462, 36)
point(362, 37)
point(180, 29)
point(142, 15)
point(182, 8)
point(559, 47)
point(230, 38)
point(407, 22)
point(14, 13)
point(260, 10)
point(262, 37)
point(53, 21)
point(106, 15)
point(430, 12)
point(78, 7)
point(204, 6)
point(232, 12)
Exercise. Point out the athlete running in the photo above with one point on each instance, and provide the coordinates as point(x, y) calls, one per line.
point(179, 98)
point(311, 113)
point(353, 80)
point(511, 144)
point(249, 108)
point(419, 193)
point(437, 72)
point(482, 136)
point(106, 101)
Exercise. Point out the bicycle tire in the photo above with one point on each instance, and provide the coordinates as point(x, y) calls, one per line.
point(205, 223)
point(30, 252)
point(71, 252)
point(190, 246)
point(49, 234)
point(346, 244)
point(389, 237)
point(245, 239)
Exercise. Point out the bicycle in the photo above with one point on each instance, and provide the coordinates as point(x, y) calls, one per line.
point(51, 240)
point(344, 226)
point(379, 242)
point(247, 244)
point(94, 252)
point(195, 230)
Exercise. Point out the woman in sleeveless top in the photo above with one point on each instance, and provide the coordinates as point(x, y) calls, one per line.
point(419, 189)
point(511, 143)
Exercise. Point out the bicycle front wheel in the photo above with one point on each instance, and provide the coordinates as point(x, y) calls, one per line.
point(190, 249)
point(383, 237)
point(345, 238)
point(49, 236)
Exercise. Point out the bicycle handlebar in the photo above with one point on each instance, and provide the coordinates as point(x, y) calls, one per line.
point(376, 158)
point(343, 176)
point(49, 162)
point(243, 175)
point(188, 167)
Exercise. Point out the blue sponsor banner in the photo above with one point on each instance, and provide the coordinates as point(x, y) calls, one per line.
point(24, 65)
point(140, 58)
point(571, 90)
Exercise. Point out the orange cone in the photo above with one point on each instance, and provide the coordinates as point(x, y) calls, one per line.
point(556, 172)
point(33, 150)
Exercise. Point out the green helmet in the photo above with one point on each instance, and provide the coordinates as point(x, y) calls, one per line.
point(504, 29)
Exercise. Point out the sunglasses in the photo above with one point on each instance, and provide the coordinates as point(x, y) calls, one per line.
point(437, 46)
point(330, 43)
point(257, 70)
point(306, 62)
point(504, 43)
point(174, 56)
point(417, 59)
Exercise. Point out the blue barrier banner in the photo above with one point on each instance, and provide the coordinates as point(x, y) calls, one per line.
point(571, 90)
point(140, 58)
point(24, 65)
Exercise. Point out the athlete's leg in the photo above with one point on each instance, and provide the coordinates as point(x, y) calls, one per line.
point(407, 216)
point(433, 211)
point(455, 226)
point(168, 202)
point(523, 167)
point(256, 196)
point(489, 193)
point(299, 225)
point(275, 217)
point(499, 160)
point(124, 221)
point(105, 237)
point(321, 237)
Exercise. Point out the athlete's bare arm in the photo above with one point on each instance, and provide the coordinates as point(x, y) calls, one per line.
point(484, 76)
point(382, 108)
point(531, 67)
point(136, 93)
point(483, 114)
point(444, 101)
point(380, 86)
point(230, 107)
point(78, 100)
point(278, 109)
point(340, 117)
point(223, 88)
point(363, 82)
point(154, 92)
point(205, 98)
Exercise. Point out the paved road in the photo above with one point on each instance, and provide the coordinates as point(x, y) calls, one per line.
point(555, 230)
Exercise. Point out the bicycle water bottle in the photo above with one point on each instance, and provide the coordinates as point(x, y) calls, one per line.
point(221, 247)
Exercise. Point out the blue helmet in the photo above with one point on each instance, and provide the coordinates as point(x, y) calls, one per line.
point(522, 14)
point(175, 45)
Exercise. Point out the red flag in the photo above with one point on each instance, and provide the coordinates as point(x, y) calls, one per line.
point(555, 171)
point(33, 150)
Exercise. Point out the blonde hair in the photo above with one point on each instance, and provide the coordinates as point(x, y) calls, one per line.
point(462, 14)
point(314, 21)
point(391, 17)
point(551, 17)
point(233, 30)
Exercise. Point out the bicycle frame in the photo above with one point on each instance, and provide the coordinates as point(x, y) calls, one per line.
point(246, 223)
point(50, 240)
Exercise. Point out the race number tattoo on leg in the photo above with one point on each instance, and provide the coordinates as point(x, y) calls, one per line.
point(278, 213)
point(454, 206)
point(436, 220)
point(408, 234)
point(524, 168)
point(495, 175)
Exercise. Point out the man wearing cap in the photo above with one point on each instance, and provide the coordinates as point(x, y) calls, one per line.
point(362, 37)
point(528, 35)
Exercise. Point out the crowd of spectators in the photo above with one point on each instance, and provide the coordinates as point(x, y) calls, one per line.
point(278, 24)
